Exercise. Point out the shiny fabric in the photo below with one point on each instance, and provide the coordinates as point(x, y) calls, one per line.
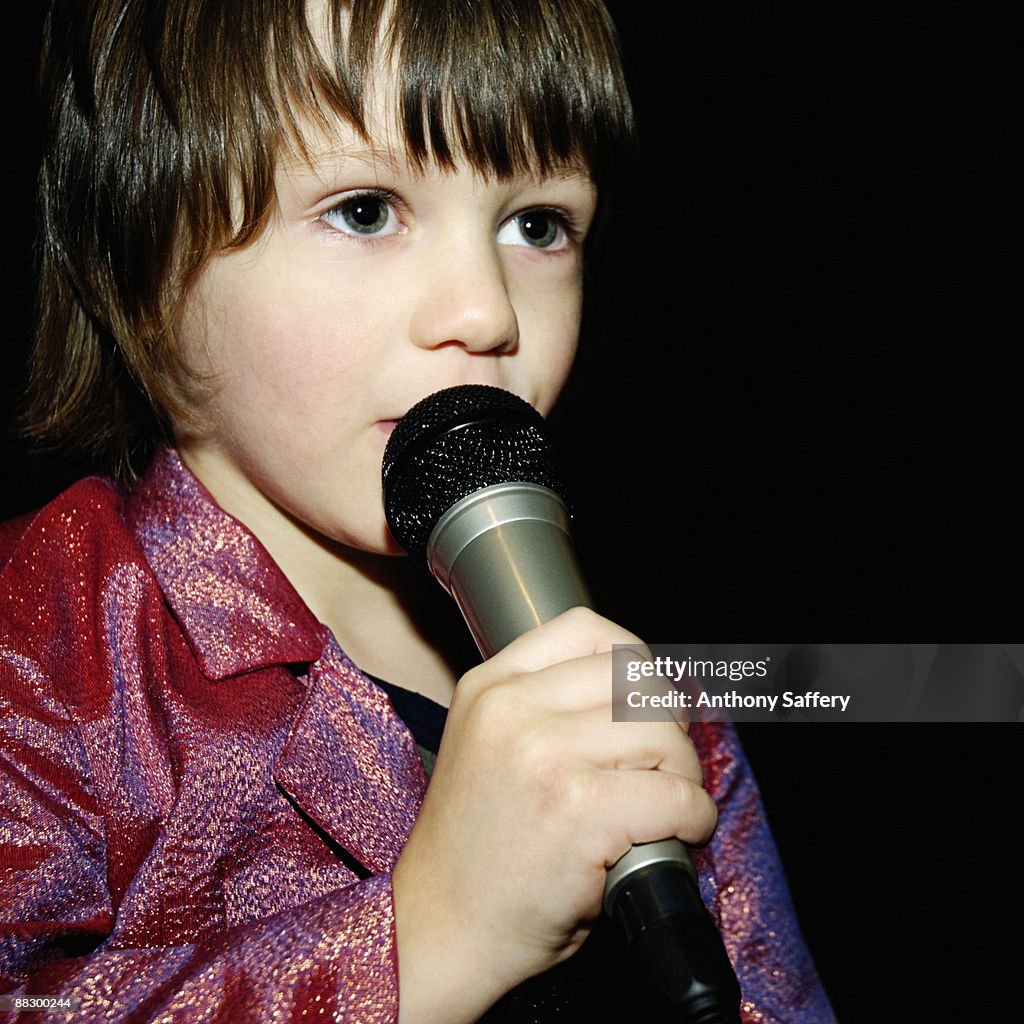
point(202, 798)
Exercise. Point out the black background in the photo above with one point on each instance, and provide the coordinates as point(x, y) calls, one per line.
point(804, 420)
point(797, 416)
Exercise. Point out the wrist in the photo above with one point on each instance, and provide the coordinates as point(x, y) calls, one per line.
point(447, 973)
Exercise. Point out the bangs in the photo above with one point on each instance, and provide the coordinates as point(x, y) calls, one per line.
point(510, 86)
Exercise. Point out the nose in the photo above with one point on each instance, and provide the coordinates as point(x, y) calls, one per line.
point(464, 299)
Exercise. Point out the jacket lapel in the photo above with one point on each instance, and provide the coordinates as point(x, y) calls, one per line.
point(351, 765)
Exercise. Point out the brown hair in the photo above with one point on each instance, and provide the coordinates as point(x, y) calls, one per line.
point(163, 122)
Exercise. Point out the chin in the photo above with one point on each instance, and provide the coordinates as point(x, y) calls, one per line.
point(373, 543)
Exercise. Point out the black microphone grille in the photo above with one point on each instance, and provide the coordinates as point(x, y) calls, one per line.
point(453, 443)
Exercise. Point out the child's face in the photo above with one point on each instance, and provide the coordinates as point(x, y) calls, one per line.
point(373, 286)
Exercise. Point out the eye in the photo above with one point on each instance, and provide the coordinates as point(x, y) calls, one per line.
point(365, 214)
point(539, 229)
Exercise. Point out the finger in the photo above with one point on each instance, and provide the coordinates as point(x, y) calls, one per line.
point(655, 805)
point(591, 735)
point(589, 681)
point(648, 699)
point(575, 633)
point(566, 686)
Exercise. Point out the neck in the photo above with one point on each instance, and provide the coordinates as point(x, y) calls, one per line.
point(387, 614)
point(395, 622)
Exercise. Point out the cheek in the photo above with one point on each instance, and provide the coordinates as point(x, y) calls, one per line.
point(270, 352)
point(560, 320)
point(556, 372)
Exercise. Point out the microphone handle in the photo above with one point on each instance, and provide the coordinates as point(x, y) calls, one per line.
point(505, 554)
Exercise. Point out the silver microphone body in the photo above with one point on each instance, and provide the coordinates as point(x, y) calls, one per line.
point(505, 555)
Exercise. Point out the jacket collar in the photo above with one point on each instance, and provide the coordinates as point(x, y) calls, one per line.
point(235, 606)
point(349, 762)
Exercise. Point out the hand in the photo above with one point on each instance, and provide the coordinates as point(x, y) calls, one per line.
point(535, 793)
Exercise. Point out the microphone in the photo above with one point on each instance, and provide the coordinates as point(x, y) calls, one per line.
point(473, 490)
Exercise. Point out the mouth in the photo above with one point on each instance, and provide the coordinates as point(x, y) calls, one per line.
point(387, 426)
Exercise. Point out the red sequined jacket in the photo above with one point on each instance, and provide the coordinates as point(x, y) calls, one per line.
point(202, 798)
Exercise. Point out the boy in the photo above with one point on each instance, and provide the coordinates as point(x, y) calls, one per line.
point(268, 230)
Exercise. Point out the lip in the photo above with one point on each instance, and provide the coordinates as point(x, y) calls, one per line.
point(387, 425)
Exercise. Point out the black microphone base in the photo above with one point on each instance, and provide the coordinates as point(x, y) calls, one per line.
point(676, 947)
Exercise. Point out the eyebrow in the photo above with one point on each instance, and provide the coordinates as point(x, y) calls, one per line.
point(391, 160)
point(369, 155)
